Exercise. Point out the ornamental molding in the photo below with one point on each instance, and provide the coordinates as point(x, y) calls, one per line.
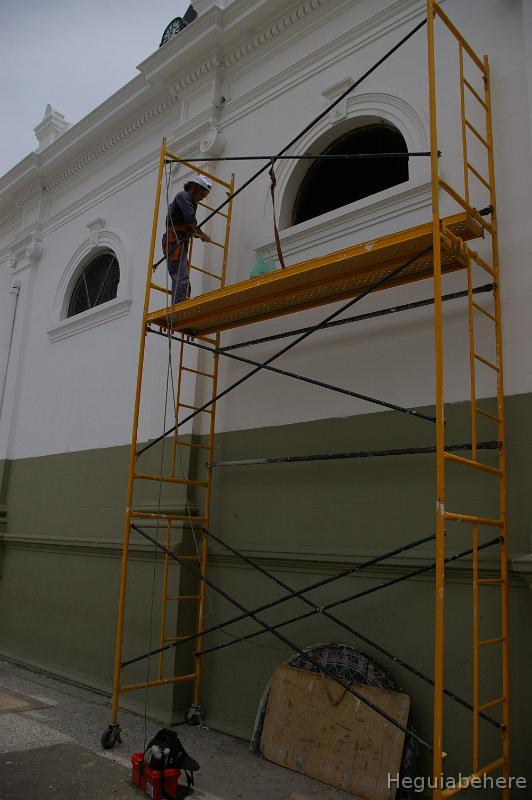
point(277, 27)
point(92, 318)
point(362, 107)
point(117, 138)
point(99, 240)
point(94, 229)
point(212, 143)
point(329, 231)
point(33, 191)
point(331, 93)
point(26, 252)
point(313, 560)
point(315, 63)
point(215, 62)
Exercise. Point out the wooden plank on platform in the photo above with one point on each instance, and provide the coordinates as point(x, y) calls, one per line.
point(315, 727)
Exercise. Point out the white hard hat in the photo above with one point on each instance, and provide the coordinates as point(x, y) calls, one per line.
point(202, 181)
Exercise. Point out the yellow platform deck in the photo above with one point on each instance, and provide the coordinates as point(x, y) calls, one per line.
point(318, 281)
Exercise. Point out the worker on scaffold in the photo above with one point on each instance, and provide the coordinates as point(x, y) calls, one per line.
point(180, 223)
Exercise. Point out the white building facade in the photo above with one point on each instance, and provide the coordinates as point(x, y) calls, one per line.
point(244, 78)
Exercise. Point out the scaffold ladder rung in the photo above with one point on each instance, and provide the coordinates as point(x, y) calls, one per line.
point(195, 408)
point(193, 445)
point(475, 93)
point(490, 581)
point(169, 517)
point(467, 782)
point(168, 479)
point(477, 134)
point(157, 682)
point(484, 311)
point(465, 205)
point(487, 362)
point(488, 414)
point(477, 174)
point(160, 288)
point(495, 640)
point(491, 704)
point(206, 272)
point(198, 372)
point(473, 519)
point(182, 596)
point(222, 213)
point(468, 462)
point(480, 261)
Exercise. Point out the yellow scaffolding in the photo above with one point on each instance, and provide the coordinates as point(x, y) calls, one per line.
point(337, 276)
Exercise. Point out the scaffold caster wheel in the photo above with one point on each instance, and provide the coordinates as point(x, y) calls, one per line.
point(110, 737)
point(194, 715)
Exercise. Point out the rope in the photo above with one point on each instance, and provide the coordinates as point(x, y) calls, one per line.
point(273, 182)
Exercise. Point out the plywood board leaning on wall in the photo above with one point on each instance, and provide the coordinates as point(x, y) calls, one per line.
point(314, 726)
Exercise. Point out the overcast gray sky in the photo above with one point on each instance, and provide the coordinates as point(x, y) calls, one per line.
point(72, 54)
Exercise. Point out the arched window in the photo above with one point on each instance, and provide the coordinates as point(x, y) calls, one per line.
point(332, 183)
point(96, 284)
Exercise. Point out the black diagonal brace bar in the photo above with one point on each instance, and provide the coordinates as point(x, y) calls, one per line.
point(323, 610)
point(303, 378)
point(384, 585)
point(374, 287)
point(316, 664)
point(316, 585)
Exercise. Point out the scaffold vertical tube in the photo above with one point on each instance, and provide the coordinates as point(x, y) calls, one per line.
point(440, 443)
point(505, 667)
point(208, 494)
point(133, 449)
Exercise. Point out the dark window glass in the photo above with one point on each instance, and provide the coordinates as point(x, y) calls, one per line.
point(335, 183)
point(97, 284)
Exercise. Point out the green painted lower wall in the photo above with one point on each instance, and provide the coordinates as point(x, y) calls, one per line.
point(60, 565)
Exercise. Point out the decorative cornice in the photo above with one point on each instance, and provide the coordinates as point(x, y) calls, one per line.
point(111, 141)
point(280, 25)
point(37, 188)
point(311, 561)
point(200, 70)
point(212, 63)
point(27, 251)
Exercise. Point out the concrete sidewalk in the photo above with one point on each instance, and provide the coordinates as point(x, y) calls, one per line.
point(50, 748)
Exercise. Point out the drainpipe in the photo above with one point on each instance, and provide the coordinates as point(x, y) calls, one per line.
point(6, 349)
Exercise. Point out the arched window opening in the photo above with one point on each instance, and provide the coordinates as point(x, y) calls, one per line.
point(96, 284)
point(330, 184)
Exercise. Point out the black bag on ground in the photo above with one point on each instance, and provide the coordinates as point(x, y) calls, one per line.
point(165, 751)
